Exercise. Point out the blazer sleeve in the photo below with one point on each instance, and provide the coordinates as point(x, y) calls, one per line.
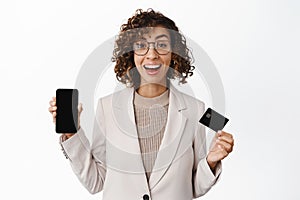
point(88, 162)
point(203, 177)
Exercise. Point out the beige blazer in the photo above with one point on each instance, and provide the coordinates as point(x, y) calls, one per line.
point(113, 161)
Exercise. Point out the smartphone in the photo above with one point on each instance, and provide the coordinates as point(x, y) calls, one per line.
point(67, 112)
point(213, 120)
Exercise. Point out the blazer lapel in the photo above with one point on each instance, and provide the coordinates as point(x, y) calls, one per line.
point(174, 129)
point(126, 139)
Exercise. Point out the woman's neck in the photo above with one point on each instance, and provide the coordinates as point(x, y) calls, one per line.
point(151, 90)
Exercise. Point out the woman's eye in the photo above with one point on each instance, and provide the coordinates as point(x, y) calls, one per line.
point(140, 45)
point(162, 45)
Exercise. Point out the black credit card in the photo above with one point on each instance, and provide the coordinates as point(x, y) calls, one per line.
point(213, 120)
point(67, 111)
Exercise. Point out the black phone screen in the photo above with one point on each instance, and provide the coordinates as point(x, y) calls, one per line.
point(67, 112)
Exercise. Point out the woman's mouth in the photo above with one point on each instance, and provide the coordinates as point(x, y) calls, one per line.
point(152, 69)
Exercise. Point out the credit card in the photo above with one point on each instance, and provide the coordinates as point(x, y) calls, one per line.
point(213, 120)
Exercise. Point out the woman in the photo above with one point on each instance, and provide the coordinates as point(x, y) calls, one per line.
point(147, 141)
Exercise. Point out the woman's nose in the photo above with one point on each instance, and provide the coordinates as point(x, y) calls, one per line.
point(152, 54)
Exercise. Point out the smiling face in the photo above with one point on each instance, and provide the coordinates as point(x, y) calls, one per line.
point(153, 66)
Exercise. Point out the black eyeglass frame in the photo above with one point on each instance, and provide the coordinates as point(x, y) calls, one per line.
point(154, 45)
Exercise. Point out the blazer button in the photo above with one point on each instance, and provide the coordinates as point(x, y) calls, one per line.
point(146, 197)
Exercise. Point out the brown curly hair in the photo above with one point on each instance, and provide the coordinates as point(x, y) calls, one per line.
point(135, 28)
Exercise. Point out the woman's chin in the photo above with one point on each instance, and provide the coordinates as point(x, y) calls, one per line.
point(153, 79)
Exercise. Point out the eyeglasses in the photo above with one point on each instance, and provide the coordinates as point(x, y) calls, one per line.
point(162, 47)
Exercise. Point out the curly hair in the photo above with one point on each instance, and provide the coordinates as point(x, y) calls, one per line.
point(135, 28)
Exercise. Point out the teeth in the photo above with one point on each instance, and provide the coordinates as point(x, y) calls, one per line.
point(152, 66)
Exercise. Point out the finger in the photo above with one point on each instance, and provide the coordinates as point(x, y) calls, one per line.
point(53, 100)
point(52, 103)
point(69, 134)
point(54, 117)
point(80, 109)
point(52, 109)
point(226, 146)
point(223, 133)
point(218, 154)
point(222, 152)
point(229, 140)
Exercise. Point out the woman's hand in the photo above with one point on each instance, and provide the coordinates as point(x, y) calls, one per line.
point(52, 109)
point(221, 146)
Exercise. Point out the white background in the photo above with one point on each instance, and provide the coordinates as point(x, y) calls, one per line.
point(253, 43)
